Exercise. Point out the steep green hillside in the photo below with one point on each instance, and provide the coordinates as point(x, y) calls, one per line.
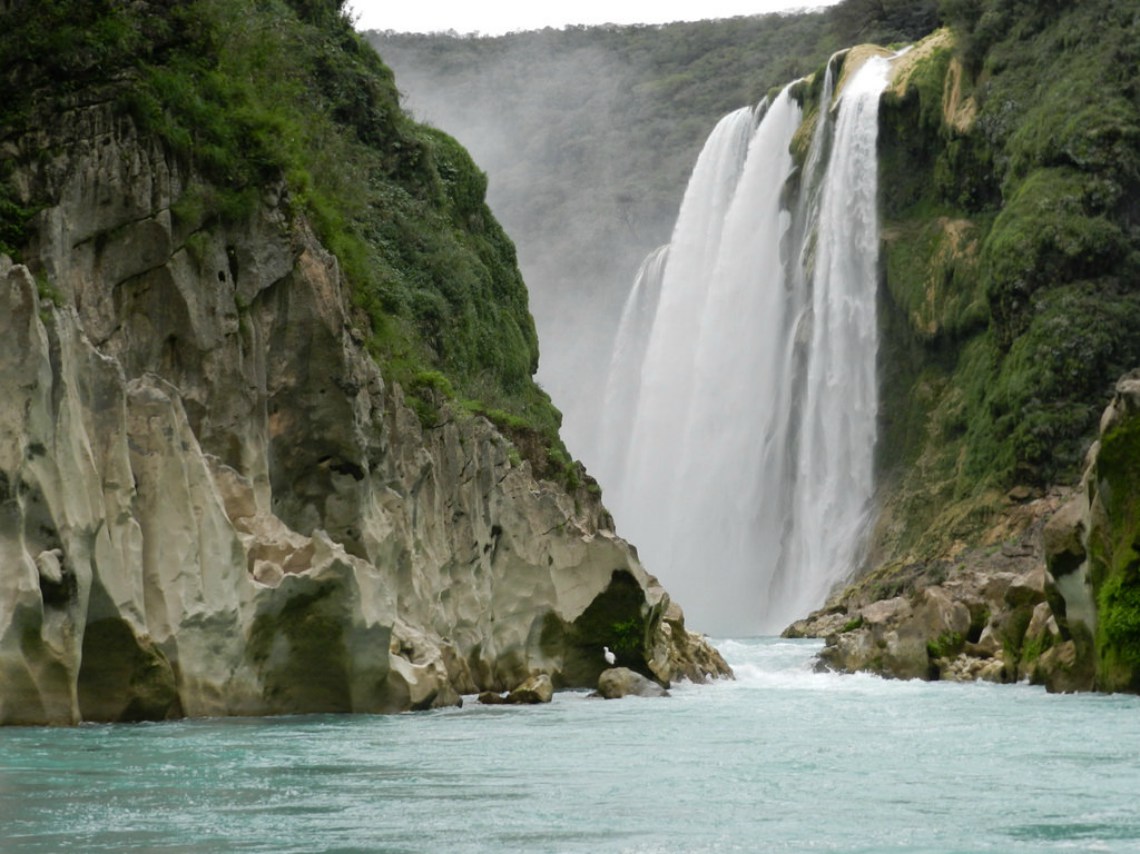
point(264, 96)
point(1011, 173)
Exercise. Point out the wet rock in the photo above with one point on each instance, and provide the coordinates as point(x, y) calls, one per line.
point(678, 653)
point(536, 689)
point(1065, 669)
point(818, 625)
point(617, 682)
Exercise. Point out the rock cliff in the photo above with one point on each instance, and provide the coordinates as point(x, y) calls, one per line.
point(211, 501)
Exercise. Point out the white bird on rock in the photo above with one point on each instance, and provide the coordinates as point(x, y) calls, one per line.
point(609, 656)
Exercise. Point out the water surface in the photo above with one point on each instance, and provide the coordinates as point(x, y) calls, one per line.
point(782, 759)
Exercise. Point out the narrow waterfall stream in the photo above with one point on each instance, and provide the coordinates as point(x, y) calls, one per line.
point(740, 410)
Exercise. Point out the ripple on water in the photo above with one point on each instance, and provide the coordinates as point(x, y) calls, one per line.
point(781, 759)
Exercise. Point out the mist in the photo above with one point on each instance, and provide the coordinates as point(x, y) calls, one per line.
point(545, 122)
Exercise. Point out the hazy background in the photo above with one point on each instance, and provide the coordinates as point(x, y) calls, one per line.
point(434, 16)
point(588, 136)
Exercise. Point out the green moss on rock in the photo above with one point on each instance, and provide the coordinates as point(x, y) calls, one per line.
point(1115, 558)
point(1048, 233)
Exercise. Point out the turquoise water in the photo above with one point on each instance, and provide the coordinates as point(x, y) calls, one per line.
point(780, 760)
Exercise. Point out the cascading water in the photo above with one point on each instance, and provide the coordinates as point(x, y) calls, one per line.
point(739, 422)
point(622, 390)
point(663, 385)
point(835, 455)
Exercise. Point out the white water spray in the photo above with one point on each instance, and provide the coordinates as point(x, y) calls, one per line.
point(665, 387)
point(741, 404)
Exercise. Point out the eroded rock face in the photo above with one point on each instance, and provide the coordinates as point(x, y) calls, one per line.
point(1092, 555)
point(212, 504)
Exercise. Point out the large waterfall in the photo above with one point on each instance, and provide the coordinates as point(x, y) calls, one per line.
point(740, 410)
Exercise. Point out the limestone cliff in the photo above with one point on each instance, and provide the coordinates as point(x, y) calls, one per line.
point(213, 503)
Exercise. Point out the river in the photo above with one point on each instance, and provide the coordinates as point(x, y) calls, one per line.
point(781, 759)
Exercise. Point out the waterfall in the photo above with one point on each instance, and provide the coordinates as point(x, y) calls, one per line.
point(622, 391)
point(663, 374)
point(740, 409)
point(835, 457)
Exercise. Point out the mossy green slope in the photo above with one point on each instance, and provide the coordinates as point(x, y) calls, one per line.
point(250, 94)
point(1011, 170)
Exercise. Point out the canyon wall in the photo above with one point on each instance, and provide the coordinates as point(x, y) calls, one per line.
point(213, 503)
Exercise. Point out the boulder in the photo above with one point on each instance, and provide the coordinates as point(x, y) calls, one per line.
point(1063, 537)
point(617, 682)
point(819, 625)
point(940, 616)
point(536, 689)
point(681, 654)
point(885, 611)
point(906, 653)
point(1062, 669)
point(850, 652)
point(1027, 589)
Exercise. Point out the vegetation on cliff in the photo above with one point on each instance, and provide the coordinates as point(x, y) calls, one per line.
point(1010, 172)
point(248, 96)
point(1011, 164)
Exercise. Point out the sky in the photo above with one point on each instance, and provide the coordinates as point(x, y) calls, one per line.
point(494, 17)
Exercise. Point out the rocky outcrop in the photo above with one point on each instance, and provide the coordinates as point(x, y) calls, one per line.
point(1091, 549)
point(211, 503)
point(1056, 608)
point(533, 691)
point(988, 614)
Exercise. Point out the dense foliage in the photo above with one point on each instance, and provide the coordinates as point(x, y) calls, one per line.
point(1013, 246)
point(250, 94)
